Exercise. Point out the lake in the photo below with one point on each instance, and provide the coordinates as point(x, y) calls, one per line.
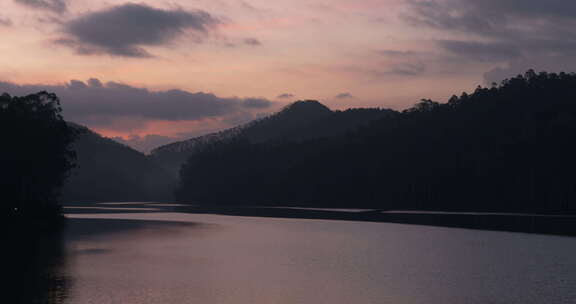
point(146, 253)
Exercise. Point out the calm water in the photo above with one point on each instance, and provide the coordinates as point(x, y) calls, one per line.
point(146, 255)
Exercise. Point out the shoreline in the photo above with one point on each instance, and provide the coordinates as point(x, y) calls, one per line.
point(564, 225)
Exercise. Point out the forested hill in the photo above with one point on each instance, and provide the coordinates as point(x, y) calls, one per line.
point(509, 147)
point(109, 171)
point(302, 120)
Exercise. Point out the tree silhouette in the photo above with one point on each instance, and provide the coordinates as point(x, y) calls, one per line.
point(36, 156)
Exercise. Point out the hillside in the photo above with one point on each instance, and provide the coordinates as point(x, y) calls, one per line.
point(507, 148)
point(299, 121)
point(109, 171)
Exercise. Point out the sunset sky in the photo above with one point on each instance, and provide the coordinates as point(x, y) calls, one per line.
point(152, 72)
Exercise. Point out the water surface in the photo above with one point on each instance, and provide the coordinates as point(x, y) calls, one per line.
point(153, 256)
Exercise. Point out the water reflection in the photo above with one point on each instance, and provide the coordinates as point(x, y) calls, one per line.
point(40, 264)
point(37, 269)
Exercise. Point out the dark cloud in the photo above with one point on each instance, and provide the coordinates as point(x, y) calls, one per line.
point(56, 6)
point(344, 95)
point(285, 96)
point(123, 107)
point(489, 14)
point(126, 29)
point(515, 35)
point(450, 15)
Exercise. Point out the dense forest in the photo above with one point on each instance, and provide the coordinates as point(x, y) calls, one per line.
point(300, 121)
point(36, 155)
point(509, 147)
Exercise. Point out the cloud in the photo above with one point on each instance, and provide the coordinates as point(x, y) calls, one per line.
point(404, 69)
point(403, 63)
point(395, 70)
point(56, 6)
point(5, 21)
point(285, 96)
point(252, 42)
point(344, 96)
point(242, 42)
point(473, 15)
point(123, 107)
point(391, 64)
point(126, 29)
point(398, 54)
point(514, 35)
point(481, 51)
point(256, 103)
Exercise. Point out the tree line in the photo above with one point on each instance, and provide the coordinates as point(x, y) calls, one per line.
point(509, 147)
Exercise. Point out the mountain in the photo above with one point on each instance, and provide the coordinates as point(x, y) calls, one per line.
point(109, 171)
point(505, 148)
point(298, 121)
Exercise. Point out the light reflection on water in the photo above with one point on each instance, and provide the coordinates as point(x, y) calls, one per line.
point(111, 208)
point(161, 257)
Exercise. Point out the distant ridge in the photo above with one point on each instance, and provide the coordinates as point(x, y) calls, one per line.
point(305, 119)
point(110, 171)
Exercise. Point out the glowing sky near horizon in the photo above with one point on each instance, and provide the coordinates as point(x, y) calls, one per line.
point(219, 63)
